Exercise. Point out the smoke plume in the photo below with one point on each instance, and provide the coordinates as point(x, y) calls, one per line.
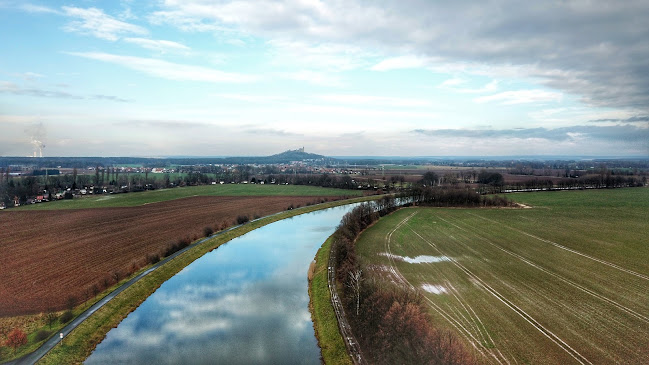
point(37, 134)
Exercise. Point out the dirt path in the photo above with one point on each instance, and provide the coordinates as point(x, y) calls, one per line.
point(353, 348)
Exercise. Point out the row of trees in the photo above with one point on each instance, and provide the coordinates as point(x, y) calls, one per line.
point(390, 322)
point(440, 196)
point(586, 182)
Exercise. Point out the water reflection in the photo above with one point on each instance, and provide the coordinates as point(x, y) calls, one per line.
point(244, 303)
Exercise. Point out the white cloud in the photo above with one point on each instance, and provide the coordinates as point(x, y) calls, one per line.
point(323, 56)
point(314, 77)
point(97, 23)
point(449, 85)
point(401, 62)
point(168, 70)
point(254, 98)
point(590, 49)
point(31, 8)
point(158, 45)
point(452, 82)
point(29, 76)
point(375, 100)
point(521, 97)
point(183, 22)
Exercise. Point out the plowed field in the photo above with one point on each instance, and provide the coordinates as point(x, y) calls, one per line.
point(49, 256)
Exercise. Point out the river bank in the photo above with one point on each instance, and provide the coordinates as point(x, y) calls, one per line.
point(81, 342)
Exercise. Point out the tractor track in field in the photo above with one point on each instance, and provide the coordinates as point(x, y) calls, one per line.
point(604, 262)
point(559, 277)
point(476, 343)
point(528, 318)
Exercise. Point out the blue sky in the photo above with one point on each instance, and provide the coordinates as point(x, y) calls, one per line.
point(413, 78)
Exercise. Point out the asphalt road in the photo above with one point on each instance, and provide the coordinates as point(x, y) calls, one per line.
point(55, 340)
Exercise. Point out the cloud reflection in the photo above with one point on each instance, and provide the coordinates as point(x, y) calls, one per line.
point(244, 303)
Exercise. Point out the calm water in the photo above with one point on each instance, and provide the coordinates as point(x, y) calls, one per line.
point(243, 303)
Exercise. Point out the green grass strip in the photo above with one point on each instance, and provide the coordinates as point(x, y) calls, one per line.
point(332, 345)
point(80, 343)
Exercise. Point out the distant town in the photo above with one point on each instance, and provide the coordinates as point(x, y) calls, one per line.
point(42, 179)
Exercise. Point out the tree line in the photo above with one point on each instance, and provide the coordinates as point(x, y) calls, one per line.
point(444, 196)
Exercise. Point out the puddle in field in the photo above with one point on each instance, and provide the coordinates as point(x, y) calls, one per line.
point(435, 289)
point(105, 198)
point(424, 259)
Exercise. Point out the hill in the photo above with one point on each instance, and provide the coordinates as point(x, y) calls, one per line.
point(81, 162)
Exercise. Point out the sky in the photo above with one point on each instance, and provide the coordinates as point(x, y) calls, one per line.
point(340, 78)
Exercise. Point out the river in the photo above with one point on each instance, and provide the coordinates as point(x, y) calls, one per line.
point(243, 303)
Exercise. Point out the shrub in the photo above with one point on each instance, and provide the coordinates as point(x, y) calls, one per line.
point(16, 338)
point(50, 317)
point(41, 335)
point(134, 266)
point(71, 302)
point(208, 231)
point(152, 258)
point(242, 219)
point(105, 281)
point(95, 289)
point(175, 246)
point(116, 275)
point(66, 317)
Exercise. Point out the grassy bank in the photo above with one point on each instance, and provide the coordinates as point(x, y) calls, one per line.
point(154, 196)
point(78, 345)
point(32, 324)
point(332, 346)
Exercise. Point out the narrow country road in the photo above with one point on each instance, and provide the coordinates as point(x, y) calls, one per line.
point(48, 345)
point(353, 348)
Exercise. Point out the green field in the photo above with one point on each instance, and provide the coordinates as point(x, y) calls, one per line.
point(563, 282)
point(154, 196)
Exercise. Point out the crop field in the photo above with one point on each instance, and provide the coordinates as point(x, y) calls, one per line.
point(563, 282)
point(50, 255)
point(154, 196)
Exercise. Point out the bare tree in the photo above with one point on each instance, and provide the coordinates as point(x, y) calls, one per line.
point(354, 283)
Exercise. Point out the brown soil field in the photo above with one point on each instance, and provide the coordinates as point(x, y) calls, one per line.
point(48, 257)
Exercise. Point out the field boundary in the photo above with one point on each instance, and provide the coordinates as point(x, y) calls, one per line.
point(82, 336)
